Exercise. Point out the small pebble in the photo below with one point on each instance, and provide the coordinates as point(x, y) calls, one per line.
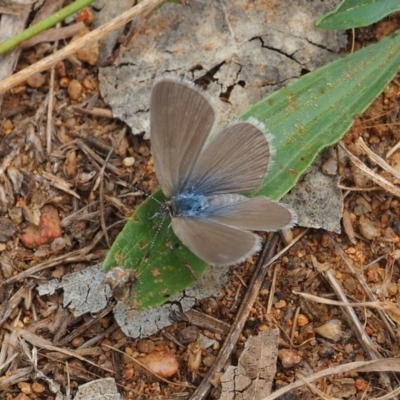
point(368, 229)
point(36, 80)
point(89, 53)
point(289, 357)
point(396, 227)
point(302, 320)
point(75, 89)
point(145, 346)
point(280, 304)
point(306, 335)
point(77, 342)
point(25, 387)
point(162, 363)
point(60, 69)
point(392, 288)
point(361, 384)
point(331, 330)
point(194, 357)
point(38, 387)
point(128, 373)
point(144, 150)
point(64, 82)
point(374, 273)
point(89, 83)
point(209, 360)
point(330, 166)
point(49, 228)
point(326, 352)
point(58, 244)
point(360, 179)
point(350, 284)
point(188, 335)
point(128, 162)
point(7, 126)
point(85, 15)
point(7, 229)
point(129, 351)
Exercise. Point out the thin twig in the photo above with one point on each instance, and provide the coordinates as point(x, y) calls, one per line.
point(95, 158)
point(101, 199)
point(50, 106)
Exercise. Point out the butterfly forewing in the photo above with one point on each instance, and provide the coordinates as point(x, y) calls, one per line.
point(235, 161)
point(181, 118)
point(215, 243)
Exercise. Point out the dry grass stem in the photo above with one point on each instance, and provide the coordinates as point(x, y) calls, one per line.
point(376, 159)
point(372, 304)
point(47, 345)
point(53, 35)
point(389, 187)
point(96, 159)
point(364, 339)
point(364, 286)
point(95, 112)
point(358, 189)
point(272, 290)
point(80, 255)
point(391, 395)
point(81, 329)
point(393, 150)
point(205, 321)
point(59, 183)
point(386, 365)
point(315, 390)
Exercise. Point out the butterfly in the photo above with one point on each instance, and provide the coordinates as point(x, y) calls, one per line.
point(202, 176)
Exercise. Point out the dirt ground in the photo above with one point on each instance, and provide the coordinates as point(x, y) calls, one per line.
point(41, 193)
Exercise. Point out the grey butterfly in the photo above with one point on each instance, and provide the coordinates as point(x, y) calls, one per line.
point(202, 177)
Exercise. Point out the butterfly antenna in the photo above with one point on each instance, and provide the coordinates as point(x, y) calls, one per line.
point(154, 238)
point(137, 189)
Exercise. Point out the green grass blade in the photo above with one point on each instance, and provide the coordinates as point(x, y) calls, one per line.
point(310, 114)
point(44, 24)
point(357, 13)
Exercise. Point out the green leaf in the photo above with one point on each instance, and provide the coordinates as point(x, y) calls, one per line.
point(318, 109)
point(356, 13)
point(147, 244)
point(311, 113)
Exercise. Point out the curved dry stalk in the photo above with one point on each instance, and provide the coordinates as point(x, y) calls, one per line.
point(386, 365)
point(383, 183)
